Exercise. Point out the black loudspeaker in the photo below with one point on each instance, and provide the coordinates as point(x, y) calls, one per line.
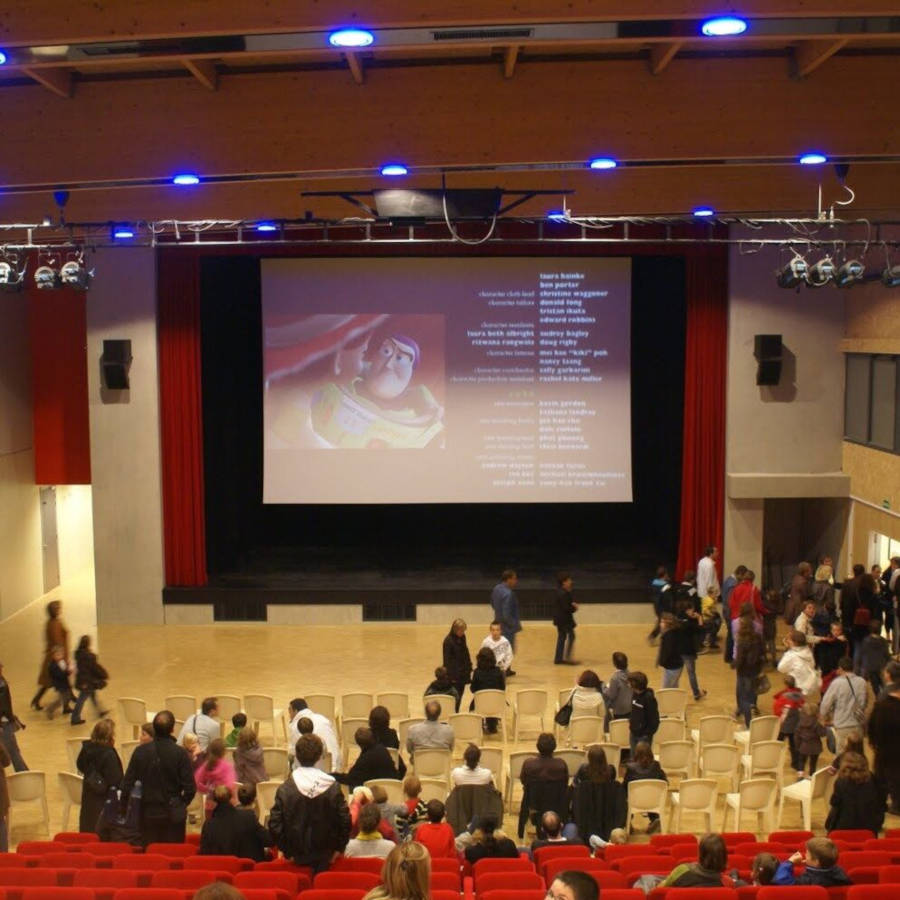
point(767, 350)
point(115, 362)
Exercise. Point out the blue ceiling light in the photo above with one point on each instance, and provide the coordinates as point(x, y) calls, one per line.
point(267, 226)
point(183, 178)
point(394, 169)
point(704, 212)
point(3, 58)
point(724, 26)
point(602, 162)
point(557, 215)
point(813, 159)
point(351, 38)
point(122, 232)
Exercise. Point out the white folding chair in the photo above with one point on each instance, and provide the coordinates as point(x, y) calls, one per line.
point(620, 733)
point(70, 788)
point(447, 701)
point(403, 727)
point(492, 704)
point(133, 712)
point(492, 758)
point(397, 704)
point(265, 798)
point(646, 796)
point(529, 702)
point(433, 789)
point(765, 758)
point(393, 787)
point(348, 737)
point(356, 705)
point(275, 760)
point(762, 728)
point(669, 730)
point(73, 748)
point(432, 763)
point(574, 759)
point(229, 706)
point(261, 708)
point(28, 787)
point(126, 748)
point(756, 795)
point(466, 729)
point(323, 704)
point(818, 787)
point(695, 795)
point(613, 753)
point(513, 773)
point(677, 758)
point(584, 730)
point(672, 702)
point(182, 706)
point(713, 730)
point(719, 761)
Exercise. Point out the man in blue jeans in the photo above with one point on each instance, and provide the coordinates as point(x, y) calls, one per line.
point(506, 607)
point(9, 725)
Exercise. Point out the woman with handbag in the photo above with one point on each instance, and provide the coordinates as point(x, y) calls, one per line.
point(99, 762)
point(748, 663)
point(90, 677)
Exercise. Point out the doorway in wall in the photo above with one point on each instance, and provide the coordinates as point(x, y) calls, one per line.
point(882, 548)
point(49, 539)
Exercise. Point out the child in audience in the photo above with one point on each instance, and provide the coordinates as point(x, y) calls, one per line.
point(808, 737)
point(249, 760)
point(246, 796)
point(643, 766)
point(763, 869)
point(821, 866)
point(644, 719)
point(191, 743)
point(416, 809)
point(786, 705)
point(238, 721)
point(369, 840)
point(436, 834)
point(215, 771)
point(443, 685)
point(500, 646)
point(616, 836)
point(712, 621)
point(59, 678)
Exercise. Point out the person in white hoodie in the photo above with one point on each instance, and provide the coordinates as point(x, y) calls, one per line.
point(798, 662)
point(322, 728)
point(309, 820)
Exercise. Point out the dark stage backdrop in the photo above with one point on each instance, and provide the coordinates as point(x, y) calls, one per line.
point(244, 535)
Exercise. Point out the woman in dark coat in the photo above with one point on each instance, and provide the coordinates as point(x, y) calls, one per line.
point(380, 723)
point(487, 677)
point(90, 677)
point(99, 762)
point(598, 801)
point(858, 800)
point(457, 660)
point(55, 635)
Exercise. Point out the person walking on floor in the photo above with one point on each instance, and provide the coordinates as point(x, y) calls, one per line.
point(9, 725)
point(564, 620)
point(90, 677)
point(55, 635)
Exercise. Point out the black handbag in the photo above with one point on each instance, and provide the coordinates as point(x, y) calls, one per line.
point(564, 713)
point(96, 783)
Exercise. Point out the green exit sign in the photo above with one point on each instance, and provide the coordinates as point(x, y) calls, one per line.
point(886, 503)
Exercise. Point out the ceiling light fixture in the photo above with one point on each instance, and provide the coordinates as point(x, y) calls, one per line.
point(3, 58)
point(602, 162)
point(185, 178)
point(820, 273)
point(850, 273)
point(74, 274)
point(394, 169)
point(46, 278)
point(812, 159)
point(351, 38)
point(890, 277)
point(703, 212)
point(266, 226)
point(793, 274)
point(122, 232)
point(724, 26)
point(11, 279)
point(557, 215)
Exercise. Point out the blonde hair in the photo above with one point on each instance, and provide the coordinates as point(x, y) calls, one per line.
point(189, 740)
point(247, 738)
point(406, 872)
point(823, 573)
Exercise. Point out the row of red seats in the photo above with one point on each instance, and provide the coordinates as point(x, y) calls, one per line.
point(795, 892)
point(86, 893)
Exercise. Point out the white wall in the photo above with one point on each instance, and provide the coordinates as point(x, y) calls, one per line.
point(20, 527)
point(125, 453)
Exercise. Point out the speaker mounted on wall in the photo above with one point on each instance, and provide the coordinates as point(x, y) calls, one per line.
point(767, 348)
point(115, 363)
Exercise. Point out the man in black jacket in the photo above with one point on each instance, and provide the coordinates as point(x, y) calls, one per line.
point(167, 783)
point(233, 832)
point(9, 724)
point(309, 821)
point(374, 761)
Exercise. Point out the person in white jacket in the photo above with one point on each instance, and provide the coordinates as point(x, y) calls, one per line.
point(322, 728)
point(501, 647)
point(798, 662)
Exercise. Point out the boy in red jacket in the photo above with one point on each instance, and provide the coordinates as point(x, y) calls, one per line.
point(436, 834)
point(786, 705)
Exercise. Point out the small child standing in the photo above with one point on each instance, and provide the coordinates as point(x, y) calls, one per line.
point(808, 737)
point(500, 646)
point(786, 705)
point(59, 678)
point(238, 721)
point(712, 621)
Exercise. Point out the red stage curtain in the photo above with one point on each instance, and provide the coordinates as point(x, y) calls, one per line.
point(181, 418)
point(705, 364)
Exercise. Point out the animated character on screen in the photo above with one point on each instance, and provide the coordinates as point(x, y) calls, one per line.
point(378, 407)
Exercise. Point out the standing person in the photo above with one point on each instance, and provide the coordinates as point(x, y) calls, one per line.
point(164, 770)
point(729, 585)
point(59, 678)
point(690, 634)
point(845, 703)
point(884, 736)
point(808, 737)
point(797, 661)
point(216, 770)
point(669, 656)
point(659, 587)
point(101, 767)
point(644, 718)
point(4, 801)
point(204, 724)
point(564, 620)
point(500, 647)
point(874, 655)
point(707, 576)
point(744, 592)
point(506, 607)
point(748, 661)
point(858, 799)
point(891, 580)
point(310, 821)
point(55, 635)
point(457, 660)
point(90, 677)
point(800, 591)
point(9, 725)
point(644, 766)
point(617, 692)
point(849, 600)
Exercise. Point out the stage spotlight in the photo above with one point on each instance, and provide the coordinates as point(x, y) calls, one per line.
point(3, 58)
point(724, 26)
point(351, 38)
point(820, 273)
point(74, 274)
point(557, 215)
point(122, 232)
point(890, 277)
point(850, 273)
point(793, 274)
point(10, 278)
point(704, 212)
point(602, 162)
point(394, 169)
point(266, 226)
point(46, 279)
point(185, 178)
point(812, 159)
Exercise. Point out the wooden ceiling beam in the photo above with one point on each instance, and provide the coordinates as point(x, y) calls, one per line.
point(809, 55)
point(59, 81)
point(510, 55)
point(204, 70)
point(662, 54)
point(356, 67)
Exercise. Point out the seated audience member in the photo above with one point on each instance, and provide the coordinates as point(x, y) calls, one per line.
point(233, 831)
point(545, 779)
point(617, 692)
point(489, 842)
point(471, 772)
point(249, 762)
point(246, 797)
point(487, 676)
point(432, 734)
point(238, 721)
point(500, 647)
point(616, 836)
point(598, 800)
point(821, 866)
point(554, 832)
point(763, 869)
point(380, 723)
point(545, 766)
point(858, 800)
point(323, 728)
point(436, 834)
point(405, 876)
point(708, 871)
point(641, 767)
point(587, 698)
point(214, 771)
point(369, 840)
point(389, 811)
point(373, 762)
point(573, 885)
point(416, 808)
point(204, 724)
point(443, 685)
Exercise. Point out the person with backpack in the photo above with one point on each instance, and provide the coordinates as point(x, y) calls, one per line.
point(310, 820)
point(845, 702)
point(644, 719)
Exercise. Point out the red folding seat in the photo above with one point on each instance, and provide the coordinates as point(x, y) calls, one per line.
point(527, 894)
point(623, 894)
point(677, 851)
point(872, 892)
point(792, 892)
point(150, 893)
point(483, 866)
point(105, 882)
point(38, 848)
point(67, 861)
point(889, 874)
point(179, 851)
point(853, 835)
point(358, 864)
point(14, 861)
point(364, 880)
point(178, 878)
point(334, 893)
point(673, 893)
point(283, 865)
point(670, 840)
point(77, 837)
point(644, 865)
point(282, 881)
point(570, 851)
point(57, 893)
point(733, 838)
point(855, 859)
point(193, 838)
point(115, 848)
point(146, 862)
point(445, 864)
point(751, 848)
point(508, 881)
point(892, 832)
point(837, 892)
point(25, 877)
point(620, 851)
point(886, 845)
point(445, 881)
point(266, 894)
point(579, 863)
point(748, 892)
point(444, 895)
point(233, 864)
point(608, 879)
point(864, 874)
point(790, 837)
